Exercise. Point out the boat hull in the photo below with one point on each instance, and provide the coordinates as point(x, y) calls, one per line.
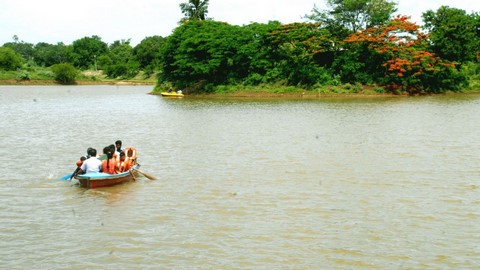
point(96, 180)
point(171, 94)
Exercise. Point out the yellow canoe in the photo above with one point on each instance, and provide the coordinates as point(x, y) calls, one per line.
point(171, 94)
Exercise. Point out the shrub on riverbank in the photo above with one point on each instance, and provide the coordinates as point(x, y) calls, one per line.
point(65, 73)
point(9, 59)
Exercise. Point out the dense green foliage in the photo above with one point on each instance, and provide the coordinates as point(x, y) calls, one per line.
point(148, 53)
point(9, 59)
point(355, 43)
point(65, 73)
point(454, 33)
point(119, 61)
point(396, 55)
point(22, 48)
point(47, 54)
point(206, 52)
point(86, 50)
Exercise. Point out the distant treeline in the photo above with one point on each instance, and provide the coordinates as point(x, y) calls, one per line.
point(330, 49)
point(118, 59)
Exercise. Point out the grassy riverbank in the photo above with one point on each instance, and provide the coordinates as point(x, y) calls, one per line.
point(44, 76)
point(272, 90)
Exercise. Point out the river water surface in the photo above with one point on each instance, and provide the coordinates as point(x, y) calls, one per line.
point(331, 183)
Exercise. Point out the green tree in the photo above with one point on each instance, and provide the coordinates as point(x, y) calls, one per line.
point(294, 48)
point(9, 59)
point(195, 9)
point(47, 54)
point(254, 57)
point(148, 53)
point(104, 61)
point(202, 52)
point(21, 47)
point(122, 63)
point(454, 34)
point(357, 63)
point(353, 14)
point(65, 73)
point(86, 50)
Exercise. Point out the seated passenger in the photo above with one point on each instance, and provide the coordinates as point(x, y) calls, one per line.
point(113, 150)
point(123, 164)
point(79, 167)
point(109, 164)
point(103, 156)
point(131, 155)
point(91, 164)
point(118, 149)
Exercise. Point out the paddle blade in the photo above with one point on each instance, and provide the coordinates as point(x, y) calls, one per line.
point(147, 175)
point(66, 177)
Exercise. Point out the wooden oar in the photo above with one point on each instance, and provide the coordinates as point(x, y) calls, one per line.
point(133, 175)
point(147, 175)
point(74, 173)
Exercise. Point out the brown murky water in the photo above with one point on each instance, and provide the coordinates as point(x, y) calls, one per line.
point(242, 184)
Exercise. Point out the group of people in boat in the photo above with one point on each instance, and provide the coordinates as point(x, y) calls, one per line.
point(177, 92)
point(114, 159)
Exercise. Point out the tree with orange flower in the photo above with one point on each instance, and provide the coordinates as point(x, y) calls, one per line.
point(407, 64)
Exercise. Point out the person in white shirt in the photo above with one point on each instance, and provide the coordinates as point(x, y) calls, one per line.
point(91, 164)
point(118, 147)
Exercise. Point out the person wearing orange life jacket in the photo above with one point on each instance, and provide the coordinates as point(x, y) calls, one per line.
point(109, 164)
point(79, 165)
point(131, 155)
point(80, 162)
point(123, 164)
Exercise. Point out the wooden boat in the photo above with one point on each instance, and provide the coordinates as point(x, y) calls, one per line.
point(171, 94)
point(96, 180)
